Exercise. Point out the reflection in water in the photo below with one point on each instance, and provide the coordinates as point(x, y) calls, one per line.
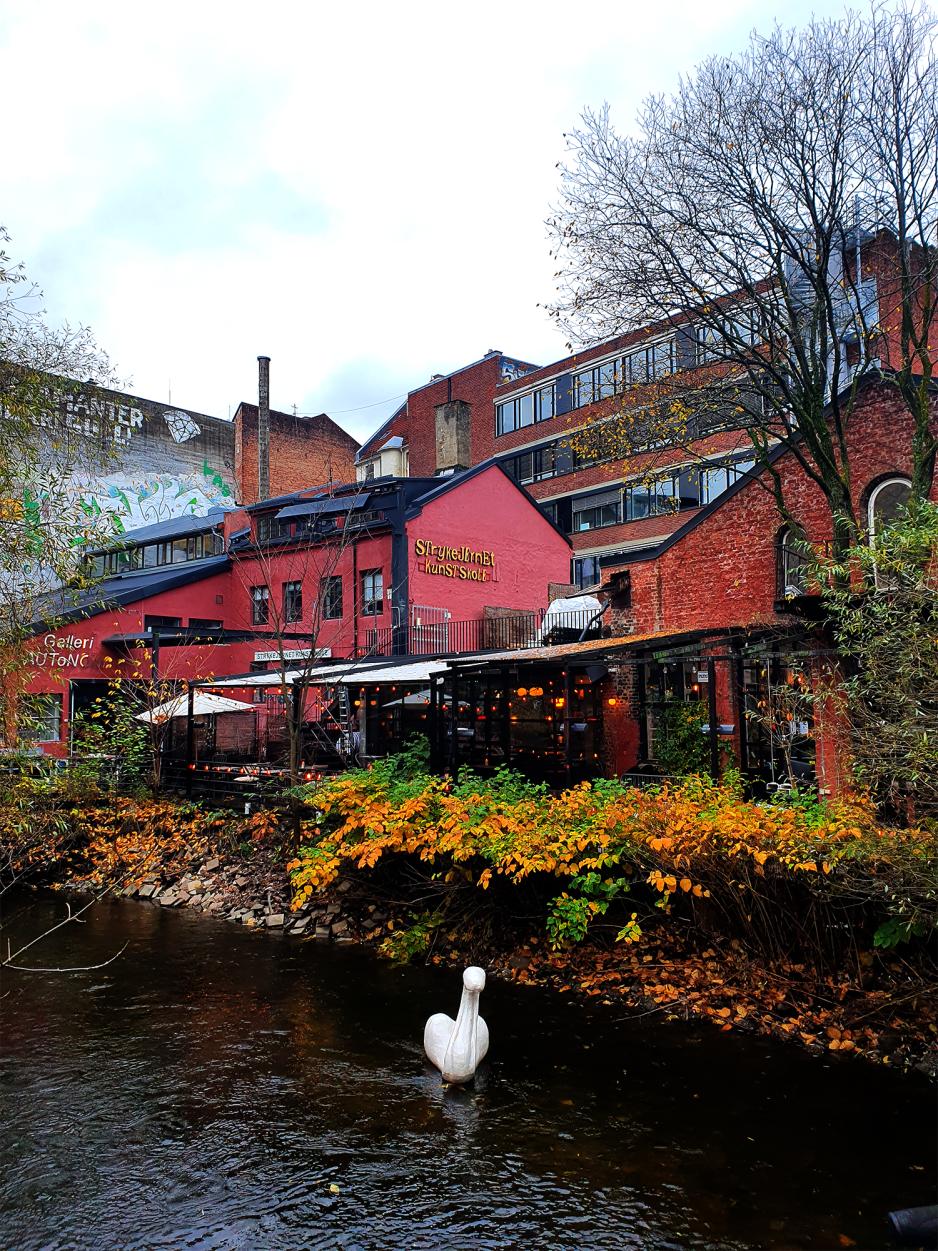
point(209, 1088)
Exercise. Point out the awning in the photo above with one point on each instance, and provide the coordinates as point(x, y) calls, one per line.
point(401, 675)
point(203, 705)
point(321, 675)
point(323, 507)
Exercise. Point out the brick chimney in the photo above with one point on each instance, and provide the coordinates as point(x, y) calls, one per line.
point(452, 436)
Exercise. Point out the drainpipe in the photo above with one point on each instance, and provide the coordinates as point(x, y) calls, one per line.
point(592, 621)
point(263, 427)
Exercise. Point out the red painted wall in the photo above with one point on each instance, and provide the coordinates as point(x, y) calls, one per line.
point(487, 513)
point(77, 652)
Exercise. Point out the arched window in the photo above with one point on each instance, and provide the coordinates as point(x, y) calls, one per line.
point(793, 571)
point(886, 499)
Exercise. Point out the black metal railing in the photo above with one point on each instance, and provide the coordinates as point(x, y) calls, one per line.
point(508, 633)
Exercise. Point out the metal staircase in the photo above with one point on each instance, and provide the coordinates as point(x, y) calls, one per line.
point(332, 736)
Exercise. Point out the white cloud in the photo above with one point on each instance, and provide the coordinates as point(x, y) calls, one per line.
point(359, 193)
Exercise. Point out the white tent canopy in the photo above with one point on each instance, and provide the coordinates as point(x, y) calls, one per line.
point(352, 674)
point(403, 675)
point(203, 705)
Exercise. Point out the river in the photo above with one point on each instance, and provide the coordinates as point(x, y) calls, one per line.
point(221, 1088)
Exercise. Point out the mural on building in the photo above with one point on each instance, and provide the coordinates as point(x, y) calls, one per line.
point(166, 461)
point(130, 501)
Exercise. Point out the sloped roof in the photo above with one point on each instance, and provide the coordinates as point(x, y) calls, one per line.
point(71, 604)
point(171, 528)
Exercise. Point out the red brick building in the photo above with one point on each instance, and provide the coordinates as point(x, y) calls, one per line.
point(302, 450)
point(533, 419)
point(412, 565)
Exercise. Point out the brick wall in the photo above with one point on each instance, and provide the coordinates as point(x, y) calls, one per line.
point(723, 571)
point(304, 452)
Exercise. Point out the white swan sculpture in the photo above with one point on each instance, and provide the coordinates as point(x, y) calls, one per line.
point(457, 1047)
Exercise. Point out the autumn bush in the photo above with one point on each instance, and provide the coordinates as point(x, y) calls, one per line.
point(801, 874)
point(63, 827)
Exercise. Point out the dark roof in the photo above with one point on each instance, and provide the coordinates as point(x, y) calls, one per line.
point(325, 506)
point(172, 528)
point(68, 604)
point(448, 484)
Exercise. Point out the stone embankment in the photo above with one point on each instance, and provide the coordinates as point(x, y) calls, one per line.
point(258, 897)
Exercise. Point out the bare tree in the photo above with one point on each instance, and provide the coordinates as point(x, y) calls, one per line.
point(899, 186)
point(295, 581)
point(737, 218)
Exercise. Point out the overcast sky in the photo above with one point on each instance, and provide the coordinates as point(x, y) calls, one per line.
point(357, 191)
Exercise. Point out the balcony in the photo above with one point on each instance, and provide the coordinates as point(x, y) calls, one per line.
point(497, 634)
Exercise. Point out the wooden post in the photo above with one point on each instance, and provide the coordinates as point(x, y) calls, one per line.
point(712, 717)
point(190, 740)
point(568, 745)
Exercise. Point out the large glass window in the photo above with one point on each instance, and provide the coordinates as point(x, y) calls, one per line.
point(650, 499)
point(550, 460)
point(260, 605)
point(524, 410)
point(585, 571)
point(330, 590)
point(293, 601)
point(660, 358)
point(372, 592)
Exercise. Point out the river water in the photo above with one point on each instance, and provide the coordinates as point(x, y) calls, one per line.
point(221, 1088)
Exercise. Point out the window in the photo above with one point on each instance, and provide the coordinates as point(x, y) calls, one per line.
point(372, 592)
point(792, 563)
point(544, 403)
point(585, 571)
point(41, 718)
point(368, 470)
point(599, 383)
point(260, 605)
point(724, 339)
point(710, 344)
point(886, 501)
point(593, 511)
point(659, 358)
point(204, 623)
point(547, 461)
point(650, 499)
point(525, 410)
point(293, 601)
point(330, 590)
point(172, 623)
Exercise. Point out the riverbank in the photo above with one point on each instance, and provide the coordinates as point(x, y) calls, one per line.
point(685, 904)
point(667, 975)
